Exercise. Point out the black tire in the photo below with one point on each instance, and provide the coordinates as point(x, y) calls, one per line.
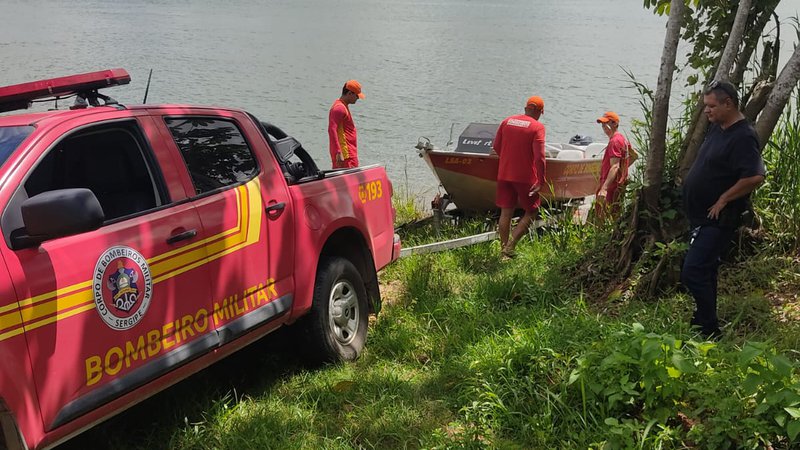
point(336, 326)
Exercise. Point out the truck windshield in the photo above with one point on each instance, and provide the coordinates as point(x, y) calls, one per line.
point(10, 138)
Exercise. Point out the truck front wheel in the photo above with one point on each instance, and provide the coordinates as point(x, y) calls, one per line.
point(337, 323)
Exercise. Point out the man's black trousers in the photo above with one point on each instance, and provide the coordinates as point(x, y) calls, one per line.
point(700, 269)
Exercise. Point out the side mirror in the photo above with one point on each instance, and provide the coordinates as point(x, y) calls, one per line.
point(285, 148)
point(58, 213)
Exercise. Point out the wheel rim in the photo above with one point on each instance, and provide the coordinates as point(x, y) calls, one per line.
point(343, 311)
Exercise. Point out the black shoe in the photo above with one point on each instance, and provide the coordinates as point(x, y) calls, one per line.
point(711, 334)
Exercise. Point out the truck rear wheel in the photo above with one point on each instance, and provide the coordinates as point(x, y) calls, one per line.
point(337, 323)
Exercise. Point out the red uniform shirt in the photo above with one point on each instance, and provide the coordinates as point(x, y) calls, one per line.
point(520, 144)
point(342, 135)
point(617, 148)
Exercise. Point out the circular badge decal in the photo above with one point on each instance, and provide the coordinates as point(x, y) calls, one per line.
point(122, 286)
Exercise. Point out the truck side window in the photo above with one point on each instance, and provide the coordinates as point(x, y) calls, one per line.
point(109, 161)
point(214, 150)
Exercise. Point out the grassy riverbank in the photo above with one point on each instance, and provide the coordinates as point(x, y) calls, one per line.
point(471, 352)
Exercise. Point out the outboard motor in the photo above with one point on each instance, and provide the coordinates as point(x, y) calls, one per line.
point(579, 139)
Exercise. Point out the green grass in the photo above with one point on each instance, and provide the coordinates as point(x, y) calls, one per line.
point(408, 207)
point(472, 352)
point(778, 200)
point(428, 231)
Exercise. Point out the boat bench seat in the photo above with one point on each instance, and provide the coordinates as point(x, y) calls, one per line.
point(570, 154)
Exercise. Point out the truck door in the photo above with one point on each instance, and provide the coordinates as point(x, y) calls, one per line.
point(108, 310)
point(280, 213)
point(223, 174)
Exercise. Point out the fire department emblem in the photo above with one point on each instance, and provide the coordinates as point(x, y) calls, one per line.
point(122, 286)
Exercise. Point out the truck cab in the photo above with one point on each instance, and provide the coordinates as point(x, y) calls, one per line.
point(143, 243)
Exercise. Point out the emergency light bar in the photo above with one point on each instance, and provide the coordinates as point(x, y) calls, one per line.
point(20, 96)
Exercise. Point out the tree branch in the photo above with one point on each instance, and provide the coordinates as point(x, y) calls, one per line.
point(776, 102)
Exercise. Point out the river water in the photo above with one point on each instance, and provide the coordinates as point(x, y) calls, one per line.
point(425, 65)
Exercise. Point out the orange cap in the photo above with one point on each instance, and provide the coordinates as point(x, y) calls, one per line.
point(609, 116)
point(354, 87)
point(537, 101)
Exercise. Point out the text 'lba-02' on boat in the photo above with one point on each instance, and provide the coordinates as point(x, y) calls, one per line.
point(469, 173)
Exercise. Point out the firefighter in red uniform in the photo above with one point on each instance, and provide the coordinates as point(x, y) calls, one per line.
point(614, 168)
point(342, 130)
point(520, 145)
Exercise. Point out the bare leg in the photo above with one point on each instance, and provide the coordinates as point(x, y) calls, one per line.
point(504, 226)
point(521, 228)
point(600, 209)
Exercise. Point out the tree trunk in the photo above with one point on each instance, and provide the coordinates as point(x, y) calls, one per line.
point(750, 44)
point(734, 41)
point(763, 84)
point(696, 114)
point(776, 102)
point(758, 100)
point(694, 145)
point(723, 74)
point(654, 173)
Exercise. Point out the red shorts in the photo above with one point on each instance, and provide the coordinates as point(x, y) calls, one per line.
point(511, 195)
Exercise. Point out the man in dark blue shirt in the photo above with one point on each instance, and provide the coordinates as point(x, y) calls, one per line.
point(727, 169)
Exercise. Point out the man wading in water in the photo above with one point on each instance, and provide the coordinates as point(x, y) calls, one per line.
point(520, 145)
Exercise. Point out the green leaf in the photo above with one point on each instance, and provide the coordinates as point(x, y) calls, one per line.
point(705, 347)
point(751, 383)
point(794, 412)
point(610, 421)
point(748, 353)
point(793, 428)
point(792, 398)
point(673, 372)
point(651, 350)
point(682, 363)
point(780, 419)
point(782, 365)
point(573, 377)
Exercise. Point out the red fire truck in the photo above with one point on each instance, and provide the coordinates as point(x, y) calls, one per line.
point(143, 243)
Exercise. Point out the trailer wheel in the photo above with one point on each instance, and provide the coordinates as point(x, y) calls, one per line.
point(338, 320)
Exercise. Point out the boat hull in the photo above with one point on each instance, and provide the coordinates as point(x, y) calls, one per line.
point(471, 179)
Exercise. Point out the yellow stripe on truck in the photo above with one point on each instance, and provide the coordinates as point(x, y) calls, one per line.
point(51, 307)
